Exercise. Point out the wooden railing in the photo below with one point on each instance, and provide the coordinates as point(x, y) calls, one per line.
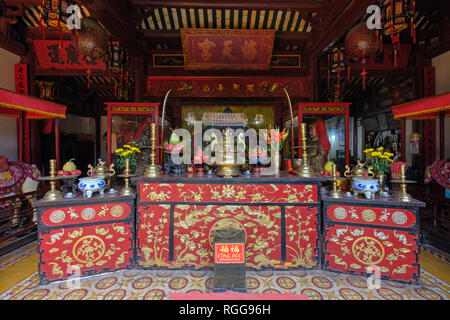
point(17, 215)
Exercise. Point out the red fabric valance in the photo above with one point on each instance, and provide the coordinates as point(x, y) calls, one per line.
point(11, 104)
point(428, 108)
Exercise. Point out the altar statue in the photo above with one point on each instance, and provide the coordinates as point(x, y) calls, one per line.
point(319, 146)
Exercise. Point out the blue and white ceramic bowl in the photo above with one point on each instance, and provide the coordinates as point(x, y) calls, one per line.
point(366, 186)
point(89, 185)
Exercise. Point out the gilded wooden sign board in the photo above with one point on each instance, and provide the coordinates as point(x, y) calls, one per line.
point(225, 49)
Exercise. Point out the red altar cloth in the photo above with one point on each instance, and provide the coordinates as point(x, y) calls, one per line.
point(427, 108)
point(11, 104)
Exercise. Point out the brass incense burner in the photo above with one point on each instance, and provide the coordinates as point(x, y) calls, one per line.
point(101, 170)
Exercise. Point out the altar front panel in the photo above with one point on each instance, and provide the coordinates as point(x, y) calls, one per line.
point(176, 224)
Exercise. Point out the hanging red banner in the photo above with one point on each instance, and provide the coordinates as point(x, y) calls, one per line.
point(226, 49)
point(237, 87)
point(63, 55)
point(21, 73)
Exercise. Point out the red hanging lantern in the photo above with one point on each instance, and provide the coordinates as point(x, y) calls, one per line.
point(398, 15)
point(337, 63)
point(360, 44)
point(91, 40)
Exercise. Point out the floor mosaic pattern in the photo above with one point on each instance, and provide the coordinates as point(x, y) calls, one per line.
point(158, 284)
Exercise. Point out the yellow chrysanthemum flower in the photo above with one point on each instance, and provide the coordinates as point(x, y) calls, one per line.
point(375, 154)
point(380, 149)
point(127, 146)
point(124, 154)
point(388, 154)
point(383, 156)
point(390, 160)
point(119, 150)
point(368, 150)
point(135, 149)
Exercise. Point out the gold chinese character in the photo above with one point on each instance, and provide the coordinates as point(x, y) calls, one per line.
point(205, 46)
point(226, 52)
point(249, 50)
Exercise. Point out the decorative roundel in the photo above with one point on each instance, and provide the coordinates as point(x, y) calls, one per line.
point(178, 283)
point(198, 273)
point(36, 294)
point(116, 294)
point(340, 213)
point(428, 294)
point(142, 283)
point(88, 213)
point(357, 282)
point(368, 215)
point(106, 283)
point(389, 294)
point(77, 294)
point(154, 294)
point(286, 283)
point(350, 294)
point(312, 294)
point(271, 291)
point(57, 216)
point(322, 283)
point(399, 217)
point(252, 283)
point(117, 211)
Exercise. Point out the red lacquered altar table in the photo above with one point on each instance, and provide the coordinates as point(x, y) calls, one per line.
point(360, 233)
point(85, 236)
point(177, 216)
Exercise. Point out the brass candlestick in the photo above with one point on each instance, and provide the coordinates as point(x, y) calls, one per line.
point(334, 193)
point(127, 190)
point(304, 171)
point(403, 195)
point(53, 194)
point(152, 170)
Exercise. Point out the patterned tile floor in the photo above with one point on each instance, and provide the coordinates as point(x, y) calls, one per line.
point(158, 284)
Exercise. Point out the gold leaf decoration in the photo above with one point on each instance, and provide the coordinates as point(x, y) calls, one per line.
point(387, 243)
point(67, 241)
point(101, 231)
point(75, 234)
point(53, 250)
point(120, 239)
point(401, 269)
point(109, 236)
point(100, 262)
point(404, 250)
point(384, 269)
point(355, 266)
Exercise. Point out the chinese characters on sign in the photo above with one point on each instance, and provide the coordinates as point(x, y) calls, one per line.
point(63, 55)
point(227, 49)
point(229, 253)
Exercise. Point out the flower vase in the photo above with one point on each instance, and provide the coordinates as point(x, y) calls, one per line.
point(276, 158)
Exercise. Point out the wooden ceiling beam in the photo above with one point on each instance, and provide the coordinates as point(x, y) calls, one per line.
point(342, 15)
point(13, 46)
point(230, 4)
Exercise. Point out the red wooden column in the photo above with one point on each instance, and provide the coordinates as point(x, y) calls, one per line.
point(442, 135)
